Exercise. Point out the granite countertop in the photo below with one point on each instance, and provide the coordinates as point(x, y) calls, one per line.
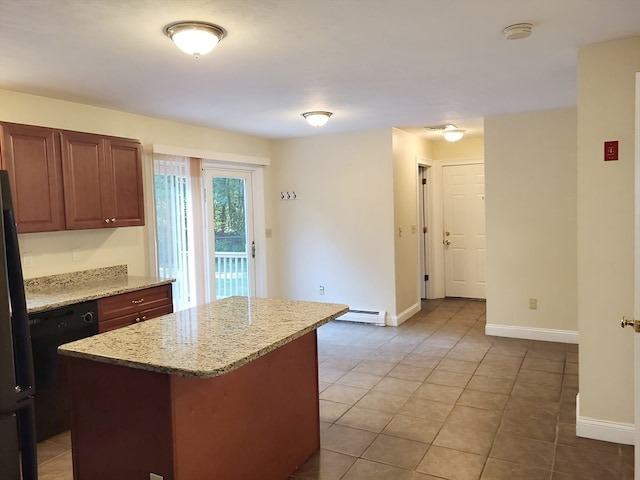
point(209, 340)
point(45, 293)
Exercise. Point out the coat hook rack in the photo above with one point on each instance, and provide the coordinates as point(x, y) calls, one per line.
point(288, 195)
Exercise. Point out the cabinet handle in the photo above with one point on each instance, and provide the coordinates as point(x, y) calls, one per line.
point(106, 220)
point(138, 320)
point(136, 302)
point(144, 317)
point(113, 220)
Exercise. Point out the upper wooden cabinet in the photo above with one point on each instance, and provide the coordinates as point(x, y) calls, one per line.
point(72, 180)
point(102, 181)
point(31, 155)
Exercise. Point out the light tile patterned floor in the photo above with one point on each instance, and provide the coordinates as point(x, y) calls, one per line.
point(437, 399)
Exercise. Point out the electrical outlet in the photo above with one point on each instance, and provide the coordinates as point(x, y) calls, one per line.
point(75, 254)
point(27, 259)
point(533, 303)
point(153, 476)
point(321, 289)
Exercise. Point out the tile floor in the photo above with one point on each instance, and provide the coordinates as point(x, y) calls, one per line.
point(437, 399)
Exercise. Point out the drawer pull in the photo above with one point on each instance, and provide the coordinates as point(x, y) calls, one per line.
point(138, 320)
point(136, 302)
point(144, 317)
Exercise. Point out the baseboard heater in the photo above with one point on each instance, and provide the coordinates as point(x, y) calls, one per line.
point(365, 316)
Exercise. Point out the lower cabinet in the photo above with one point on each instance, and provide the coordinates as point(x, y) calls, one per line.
point(134, 307)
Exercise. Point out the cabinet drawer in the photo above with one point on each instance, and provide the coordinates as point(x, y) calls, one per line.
point(134, 302)
point(156, 312)
point(118, 322)
point(132, 318)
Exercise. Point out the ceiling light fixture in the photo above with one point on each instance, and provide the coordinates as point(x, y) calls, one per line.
point(450, 132)
point(195, 38)
point(317, 118)
point(518, 31)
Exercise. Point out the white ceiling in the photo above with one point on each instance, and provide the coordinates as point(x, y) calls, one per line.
point(374, 63)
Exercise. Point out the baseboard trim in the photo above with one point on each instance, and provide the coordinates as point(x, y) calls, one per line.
point(531, 333)
point(395, 320)
point(602, 429)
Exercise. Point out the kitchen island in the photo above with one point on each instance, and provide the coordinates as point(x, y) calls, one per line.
point(228, 390)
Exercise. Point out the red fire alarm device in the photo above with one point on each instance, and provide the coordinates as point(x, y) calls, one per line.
point(610, 151)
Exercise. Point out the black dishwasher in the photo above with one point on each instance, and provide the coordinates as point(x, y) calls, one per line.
point(49, 330)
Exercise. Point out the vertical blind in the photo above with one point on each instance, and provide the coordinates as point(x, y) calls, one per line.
point(175, 226)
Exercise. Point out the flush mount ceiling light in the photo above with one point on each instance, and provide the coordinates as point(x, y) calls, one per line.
point(518, 31)
point(195, 38)
point(317, 118)
point(450, 132)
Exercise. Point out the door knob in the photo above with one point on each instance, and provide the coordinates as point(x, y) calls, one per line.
point(447, 242)
point(628, 322)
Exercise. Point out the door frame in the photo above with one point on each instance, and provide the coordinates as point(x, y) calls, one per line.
point(424, 214)
point(637, 280)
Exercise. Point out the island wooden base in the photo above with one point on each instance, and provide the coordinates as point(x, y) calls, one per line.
point(259, 422)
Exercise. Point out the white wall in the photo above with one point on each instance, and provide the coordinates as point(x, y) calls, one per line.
point(339, 232)
point(606, 98)
point(406, 149)
point(52, 251)
point(530, 172)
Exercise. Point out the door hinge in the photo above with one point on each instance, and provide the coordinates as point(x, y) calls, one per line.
point(426, 278)
point(425, 230)
point(424, 181)
point(253, 249)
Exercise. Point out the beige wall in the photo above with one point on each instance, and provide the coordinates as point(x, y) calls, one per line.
point(530, 167)
point(339, 232)
point(469, 148)
point(606, 98)
point(52, 251)
point(406, 148)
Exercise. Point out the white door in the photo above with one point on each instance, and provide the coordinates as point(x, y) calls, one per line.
point(464, 236)
point(230, 246)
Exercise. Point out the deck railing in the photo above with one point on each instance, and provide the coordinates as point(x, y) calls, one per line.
point(232, 274)
point(231, 277)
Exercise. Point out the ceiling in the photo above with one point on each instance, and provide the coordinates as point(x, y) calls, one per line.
point(374, 63)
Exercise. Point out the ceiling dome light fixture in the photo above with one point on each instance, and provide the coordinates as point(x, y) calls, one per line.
point(452, 134)
point(317, 118)
point(195, 38)
point(518, 31)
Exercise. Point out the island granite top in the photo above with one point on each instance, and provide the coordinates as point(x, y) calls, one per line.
point(46, 293)
point(209, 340)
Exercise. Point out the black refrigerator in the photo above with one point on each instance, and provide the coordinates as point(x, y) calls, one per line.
point(18, 458)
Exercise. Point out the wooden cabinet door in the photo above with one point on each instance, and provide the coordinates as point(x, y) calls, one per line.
point(125, 182)
point(83, 167)
point(31, 156)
